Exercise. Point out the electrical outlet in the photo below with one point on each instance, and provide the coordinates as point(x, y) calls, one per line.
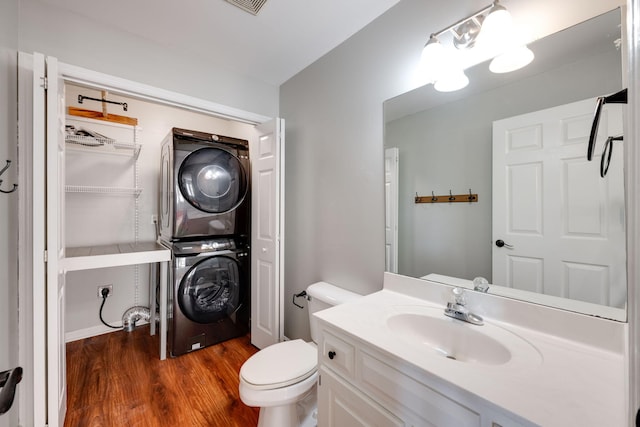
point(100, 288)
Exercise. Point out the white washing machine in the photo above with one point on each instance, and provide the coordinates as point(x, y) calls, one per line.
point(204, 188)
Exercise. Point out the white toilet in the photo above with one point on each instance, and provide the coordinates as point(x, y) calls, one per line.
point(281, 379)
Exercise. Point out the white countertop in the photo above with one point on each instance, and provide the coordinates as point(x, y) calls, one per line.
point(567, 384)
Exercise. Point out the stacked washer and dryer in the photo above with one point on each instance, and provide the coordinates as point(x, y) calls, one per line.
point(205, 219)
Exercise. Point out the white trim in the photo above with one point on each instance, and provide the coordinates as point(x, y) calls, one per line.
point(93, 331)
point(281, 229)
point(632, 151)
point(87, 77)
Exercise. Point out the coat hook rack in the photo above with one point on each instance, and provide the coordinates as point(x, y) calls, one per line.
point(449, 198)
point(3, 170)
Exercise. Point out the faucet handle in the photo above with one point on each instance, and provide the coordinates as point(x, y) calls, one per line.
point(458, 296)
point(480, 284)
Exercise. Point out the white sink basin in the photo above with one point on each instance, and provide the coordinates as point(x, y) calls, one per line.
point(428, 328)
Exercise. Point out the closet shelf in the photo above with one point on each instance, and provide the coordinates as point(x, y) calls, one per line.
point(101, 145)
point(117, 255)
point(103, 190)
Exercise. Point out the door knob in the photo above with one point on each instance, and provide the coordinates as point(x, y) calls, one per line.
point(500, 243)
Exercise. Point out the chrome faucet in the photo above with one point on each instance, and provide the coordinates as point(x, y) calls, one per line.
point(458, 309)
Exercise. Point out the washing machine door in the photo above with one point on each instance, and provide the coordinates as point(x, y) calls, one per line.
point(212, 180)
point(210, 291)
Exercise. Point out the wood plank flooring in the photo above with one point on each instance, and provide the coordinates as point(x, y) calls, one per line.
point(117, 379)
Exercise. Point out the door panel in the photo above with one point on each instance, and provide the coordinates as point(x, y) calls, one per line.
point(32, 68)
point(391, 165)
point(266, 238)
point(56, 352)
point(564, 222)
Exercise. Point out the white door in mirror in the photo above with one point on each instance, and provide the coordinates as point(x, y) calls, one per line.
point(568, 243)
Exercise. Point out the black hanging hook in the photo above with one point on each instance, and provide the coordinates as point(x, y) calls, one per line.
point(3, 171)
point(616, 98)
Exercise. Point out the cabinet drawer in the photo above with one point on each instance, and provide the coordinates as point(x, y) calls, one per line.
point(404, 395)
point(338, 354)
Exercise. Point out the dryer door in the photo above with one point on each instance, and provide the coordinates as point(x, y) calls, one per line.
point(210, 291)
point(212, 180)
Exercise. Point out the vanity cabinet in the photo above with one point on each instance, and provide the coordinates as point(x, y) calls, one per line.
point(361, 385)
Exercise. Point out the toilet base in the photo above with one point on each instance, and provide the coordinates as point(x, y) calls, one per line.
point(272, 416)
point(300, 414)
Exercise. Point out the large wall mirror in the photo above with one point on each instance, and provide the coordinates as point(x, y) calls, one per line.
point(519, 142)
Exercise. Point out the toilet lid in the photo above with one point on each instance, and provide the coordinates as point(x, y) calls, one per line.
point(280, 364)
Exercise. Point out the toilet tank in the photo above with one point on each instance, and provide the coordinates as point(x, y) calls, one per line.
point(324, 295)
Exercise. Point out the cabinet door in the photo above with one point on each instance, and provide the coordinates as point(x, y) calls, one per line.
point(340, 405)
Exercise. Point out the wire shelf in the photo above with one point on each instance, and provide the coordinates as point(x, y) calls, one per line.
point(102, 145)
point(103, 190)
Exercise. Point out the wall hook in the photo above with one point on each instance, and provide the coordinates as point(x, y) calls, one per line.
point(433, 196)
point(3, 171)
point(471, 196)
point(451, 196)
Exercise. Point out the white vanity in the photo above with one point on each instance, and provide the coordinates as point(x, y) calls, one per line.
point(393, 359)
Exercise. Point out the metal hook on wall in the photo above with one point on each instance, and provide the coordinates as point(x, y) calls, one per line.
point(3, 170)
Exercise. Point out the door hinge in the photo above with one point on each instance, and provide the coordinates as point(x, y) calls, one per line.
point(46, 256)
point(45, 82)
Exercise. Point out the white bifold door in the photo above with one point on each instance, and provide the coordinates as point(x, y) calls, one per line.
point(49, 357)
point(267, 213)
point(562, 225)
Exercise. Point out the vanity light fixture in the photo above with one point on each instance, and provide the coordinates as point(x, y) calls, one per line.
point(491, 30)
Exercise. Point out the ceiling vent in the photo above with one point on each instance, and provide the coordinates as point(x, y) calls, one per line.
point(251, 6)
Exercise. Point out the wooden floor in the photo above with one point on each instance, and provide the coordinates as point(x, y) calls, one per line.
point(117, 379)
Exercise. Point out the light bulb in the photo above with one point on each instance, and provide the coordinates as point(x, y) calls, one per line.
point(432, 59)
point(453, 81)
point(496, 30)
point(511, 60)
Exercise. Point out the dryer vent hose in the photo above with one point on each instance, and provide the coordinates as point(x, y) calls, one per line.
point(133, 315)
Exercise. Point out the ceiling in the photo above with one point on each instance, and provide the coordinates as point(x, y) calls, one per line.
point(285, 37)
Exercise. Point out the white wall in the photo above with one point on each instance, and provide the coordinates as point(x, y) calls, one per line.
point(8, 202)
point(86, 225)
point(450, 147)
point(77, 40)
point(334, 154)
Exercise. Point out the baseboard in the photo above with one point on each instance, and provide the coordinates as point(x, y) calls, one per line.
point(94, 331)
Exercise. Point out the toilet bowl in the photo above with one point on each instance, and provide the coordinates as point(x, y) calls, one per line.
point(281, 379)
